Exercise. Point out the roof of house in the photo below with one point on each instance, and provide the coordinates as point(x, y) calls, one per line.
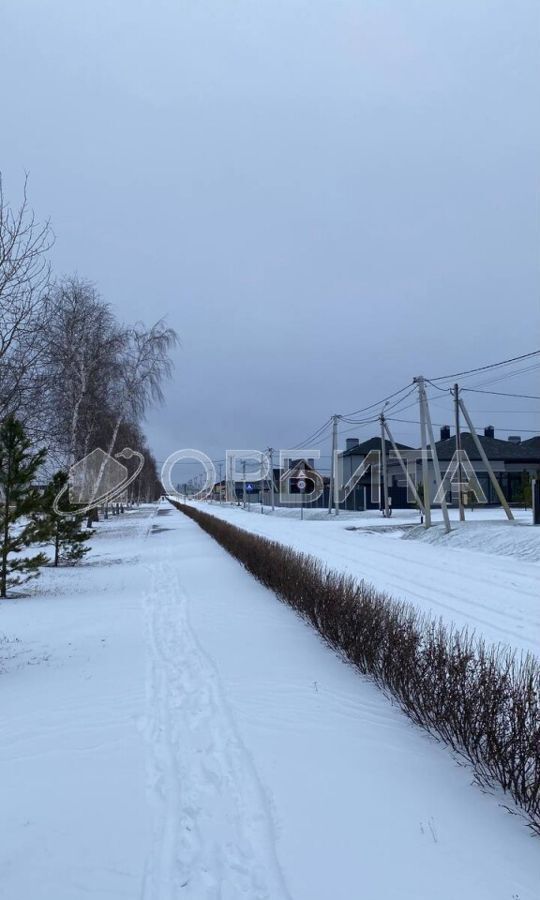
point(295, 465)
point(494, 448)
point(533, 442)
point(373, 443)
point(301, 462)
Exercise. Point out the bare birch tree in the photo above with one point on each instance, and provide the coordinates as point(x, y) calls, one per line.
point(145, 364)
point(83, 362)
point(101, 375)
point(24, 280)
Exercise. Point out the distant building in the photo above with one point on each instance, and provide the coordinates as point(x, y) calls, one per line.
point(254, 486)
point(513, 462)
point(351, 459)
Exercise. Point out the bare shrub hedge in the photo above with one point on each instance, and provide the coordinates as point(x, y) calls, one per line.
point(482, 700)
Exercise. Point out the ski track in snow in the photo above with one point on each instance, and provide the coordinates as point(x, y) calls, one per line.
point(202, 780)
point(191, 737)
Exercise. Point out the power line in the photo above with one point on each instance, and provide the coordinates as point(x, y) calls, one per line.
point(503, 362)
point(377, 403)
point(314, 436)
point(393, 406)
point(445, 390)
point(505, 375)
point(358, 421)
point(501, 394)
point(357, 426)
point(322, 433)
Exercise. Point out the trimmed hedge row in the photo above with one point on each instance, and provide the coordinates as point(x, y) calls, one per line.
point(483, 701)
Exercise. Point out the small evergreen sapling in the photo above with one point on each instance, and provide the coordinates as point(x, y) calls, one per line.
point(18, 500)
point(66, 531)
point(525, 493)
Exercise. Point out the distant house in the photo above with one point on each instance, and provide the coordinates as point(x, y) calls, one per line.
point(532, 443)
point(254, 486)
point(351, 459)
point(513, 461)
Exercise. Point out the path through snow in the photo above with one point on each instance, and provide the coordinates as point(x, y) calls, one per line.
point(242, 760)
point(214, 833)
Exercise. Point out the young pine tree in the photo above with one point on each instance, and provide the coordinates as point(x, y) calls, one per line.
point(18, 500)
point(66, 531)
point(525, 492)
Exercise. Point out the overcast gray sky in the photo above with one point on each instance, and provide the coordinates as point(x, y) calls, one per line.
point(324, 197)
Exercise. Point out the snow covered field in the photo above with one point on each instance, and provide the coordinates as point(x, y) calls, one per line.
point(484, 574)
point(170, 730)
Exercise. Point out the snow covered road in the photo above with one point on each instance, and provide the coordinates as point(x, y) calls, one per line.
point(498, 596)
point(182, 734)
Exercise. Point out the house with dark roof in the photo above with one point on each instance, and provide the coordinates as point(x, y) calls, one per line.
point(533, 442)
point(513, 461)
point(351, 459)
point(289, 476)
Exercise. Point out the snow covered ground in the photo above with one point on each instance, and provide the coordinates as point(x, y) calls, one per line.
point(485, 574)
point(169, 729)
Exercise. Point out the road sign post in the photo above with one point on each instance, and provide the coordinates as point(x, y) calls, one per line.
point(301, 485)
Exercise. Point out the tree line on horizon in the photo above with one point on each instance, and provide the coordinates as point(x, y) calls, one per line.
point(73, 378)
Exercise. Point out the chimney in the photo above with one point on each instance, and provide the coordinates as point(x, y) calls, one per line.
point(445, 433)
point(514, 438)
point(489, 431)
point(351, 442)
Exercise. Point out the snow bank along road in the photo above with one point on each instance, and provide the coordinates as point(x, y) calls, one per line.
point(497, 596)
point(168, 729)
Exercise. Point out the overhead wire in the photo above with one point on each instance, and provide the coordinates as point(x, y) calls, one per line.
point(377, 403)
point(393, 405)
point(401, 395)
point(504, 376)
point(316, 435)
point(495, 365)
point(503, 394)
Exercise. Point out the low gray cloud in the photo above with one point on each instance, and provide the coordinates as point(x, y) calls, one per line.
point(325, 198)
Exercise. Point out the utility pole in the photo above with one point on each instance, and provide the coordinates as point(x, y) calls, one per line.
point(271, 454)
point(232, 482)
point(333, 498)
point(425, 469)
point(333, 452)
point(404, 469)
point(483, 457)
point(244, 482)
point(458, 451)
point(220, 486)
point(436, 466)
point(384, 467)
point(261, 492)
